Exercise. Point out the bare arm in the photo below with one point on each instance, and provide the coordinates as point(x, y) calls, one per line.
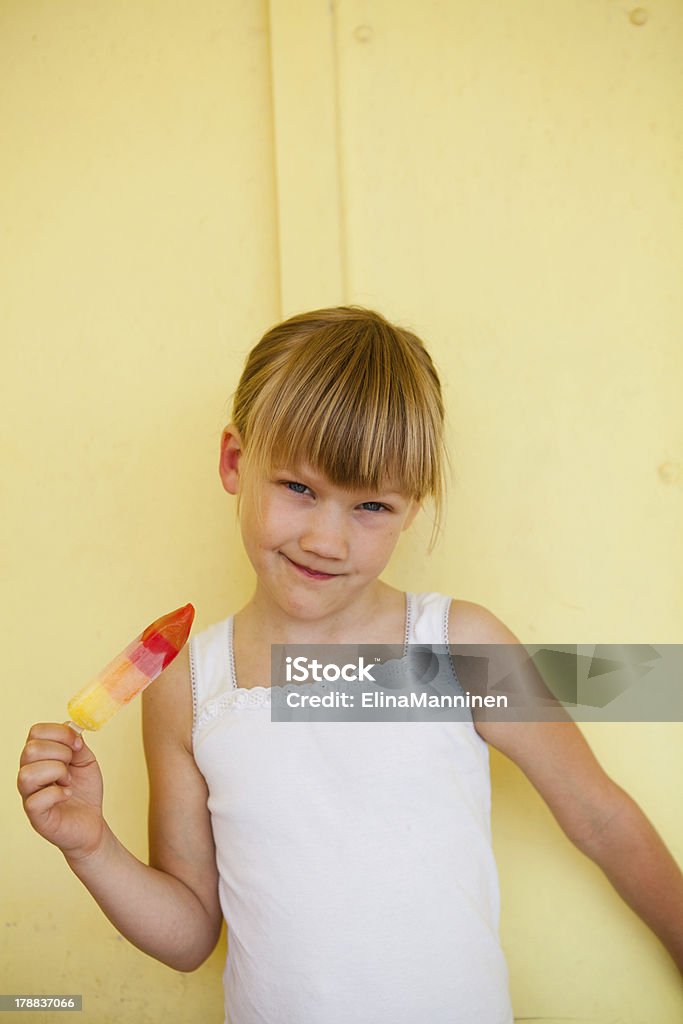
point(599, 817)
point(180, 834)
point(641, 869)
point(169, 908)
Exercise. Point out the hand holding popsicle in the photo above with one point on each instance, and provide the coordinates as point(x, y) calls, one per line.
point(61, 786)
point(59, 778)
point(168, 907)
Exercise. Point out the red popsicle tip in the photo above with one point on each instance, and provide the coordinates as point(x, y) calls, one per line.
point(172, 629)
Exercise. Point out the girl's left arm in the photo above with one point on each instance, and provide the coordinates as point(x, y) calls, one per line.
point(596, 814)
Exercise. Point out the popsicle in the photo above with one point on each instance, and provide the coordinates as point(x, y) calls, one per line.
point(131, 671)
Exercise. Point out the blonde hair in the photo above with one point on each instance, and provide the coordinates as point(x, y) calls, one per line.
point(352, 395)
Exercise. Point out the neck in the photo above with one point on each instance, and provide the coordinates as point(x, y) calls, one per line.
point(263, 616)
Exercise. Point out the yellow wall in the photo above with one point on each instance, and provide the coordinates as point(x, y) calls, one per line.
point(503, 177)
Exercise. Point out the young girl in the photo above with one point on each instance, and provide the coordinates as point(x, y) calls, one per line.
point(351, 861)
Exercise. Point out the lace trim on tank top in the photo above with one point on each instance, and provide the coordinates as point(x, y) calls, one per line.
point(447, 642)
point(193, 677)
point(264, 696)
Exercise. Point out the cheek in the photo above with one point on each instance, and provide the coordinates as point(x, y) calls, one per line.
point(267, 529)
point(381, 545)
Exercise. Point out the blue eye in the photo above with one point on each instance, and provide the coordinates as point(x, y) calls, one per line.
point(379, 507)
point(292, 485)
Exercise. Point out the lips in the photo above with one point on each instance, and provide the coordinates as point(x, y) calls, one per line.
point(311, 574)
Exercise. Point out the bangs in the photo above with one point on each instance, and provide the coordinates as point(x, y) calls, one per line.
point(353, 412)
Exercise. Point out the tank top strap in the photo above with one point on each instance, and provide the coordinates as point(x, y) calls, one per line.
point(210, 664)
point(429, 618)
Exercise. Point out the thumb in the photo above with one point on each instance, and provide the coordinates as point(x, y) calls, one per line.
point(82, 754)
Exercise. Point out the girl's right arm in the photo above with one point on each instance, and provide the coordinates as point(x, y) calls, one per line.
point(169, 908)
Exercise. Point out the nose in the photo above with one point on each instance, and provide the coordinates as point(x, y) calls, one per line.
point(324, 535)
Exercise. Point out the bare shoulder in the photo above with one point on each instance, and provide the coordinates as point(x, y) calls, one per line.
point(471, 623)
point(553, 755)
point(167, 702)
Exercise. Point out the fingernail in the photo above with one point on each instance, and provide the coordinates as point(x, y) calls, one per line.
point(78, 743)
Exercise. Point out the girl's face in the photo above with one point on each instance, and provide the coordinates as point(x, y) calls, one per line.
point(317, 547)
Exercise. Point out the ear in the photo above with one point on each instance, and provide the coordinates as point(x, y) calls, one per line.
point(228, 465)
point(415, 507)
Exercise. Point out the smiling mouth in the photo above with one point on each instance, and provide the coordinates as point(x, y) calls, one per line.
point(310, 573)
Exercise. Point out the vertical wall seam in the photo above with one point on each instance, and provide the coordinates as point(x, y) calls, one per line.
point(307, 160)
point(274, 168)
point(341, 176)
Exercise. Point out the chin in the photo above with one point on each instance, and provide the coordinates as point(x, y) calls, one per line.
point(304, 606)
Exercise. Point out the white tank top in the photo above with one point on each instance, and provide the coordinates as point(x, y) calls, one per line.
point(356, 873)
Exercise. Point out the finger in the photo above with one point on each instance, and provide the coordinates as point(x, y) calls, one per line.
point(45, 750)
point(56, 731)
point(40, 774)
point(39, 805)
point(52, 732)
point(82, 755)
